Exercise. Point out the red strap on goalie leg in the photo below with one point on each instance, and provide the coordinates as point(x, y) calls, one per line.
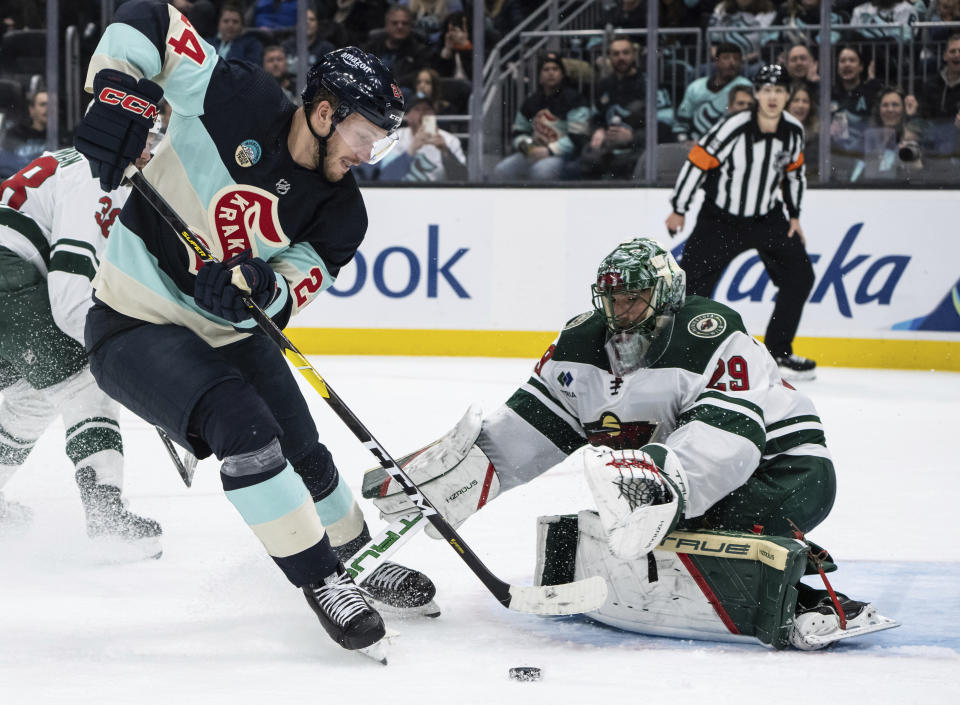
point(818, 561)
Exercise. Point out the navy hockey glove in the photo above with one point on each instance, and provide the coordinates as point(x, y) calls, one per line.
point(215, 292)
point(114, 131)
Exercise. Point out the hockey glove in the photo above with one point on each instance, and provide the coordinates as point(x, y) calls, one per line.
point(220, 286)
point(453, 473)
point(114, 131)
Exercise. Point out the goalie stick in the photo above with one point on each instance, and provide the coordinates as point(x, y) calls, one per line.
point(569, 598)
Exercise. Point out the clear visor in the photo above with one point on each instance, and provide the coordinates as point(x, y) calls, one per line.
point(368, 143)
point(624, 310)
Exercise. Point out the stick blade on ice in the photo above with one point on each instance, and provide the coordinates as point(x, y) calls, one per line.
point(569, 598)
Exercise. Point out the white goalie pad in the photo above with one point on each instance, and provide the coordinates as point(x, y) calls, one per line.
point(638, 500)
point(453, 473)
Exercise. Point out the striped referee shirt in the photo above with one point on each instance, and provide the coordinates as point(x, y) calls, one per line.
point(743, 170)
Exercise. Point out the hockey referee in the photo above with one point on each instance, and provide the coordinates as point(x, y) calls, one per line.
point(751, 165)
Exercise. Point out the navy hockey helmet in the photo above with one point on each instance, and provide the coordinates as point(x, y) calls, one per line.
point(361, 83)
point(772, 75)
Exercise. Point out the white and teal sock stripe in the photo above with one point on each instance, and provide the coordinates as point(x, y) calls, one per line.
point(340, 514)
point(281, 513)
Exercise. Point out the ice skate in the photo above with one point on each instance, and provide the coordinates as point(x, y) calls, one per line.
point(794, 368)
point(15, 518)
point(346, 615)
point(128, 535)
point(819, 626)
point(401, 591)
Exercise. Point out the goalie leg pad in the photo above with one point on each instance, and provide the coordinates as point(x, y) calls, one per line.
point(718, 586)
point(453, 473)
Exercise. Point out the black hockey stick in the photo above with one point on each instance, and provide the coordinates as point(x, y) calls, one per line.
point(570, 598)
point(185, 466)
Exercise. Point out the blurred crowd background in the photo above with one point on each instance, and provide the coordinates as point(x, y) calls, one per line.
point(557, 91)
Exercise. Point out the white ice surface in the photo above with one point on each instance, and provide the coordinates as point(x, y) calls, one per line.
point(213, 621)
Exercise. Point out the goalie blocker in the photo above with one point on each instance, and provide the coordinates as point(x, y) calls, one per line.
point(710, 585)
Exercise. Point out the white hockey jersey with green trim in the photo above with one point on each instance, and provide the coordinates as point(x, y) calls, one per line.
point(55, 216)
point(715, 397)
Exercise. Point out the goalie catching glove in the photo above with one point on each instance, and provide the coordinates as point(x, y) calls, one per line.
point(453, 473)
point(640, 495)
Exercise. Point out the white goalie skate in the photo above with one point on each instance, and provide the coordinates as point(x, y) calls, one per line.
point(820, 626)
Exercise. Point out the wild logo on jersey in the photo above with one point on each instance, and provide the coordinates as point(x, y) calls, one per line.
point(610, 431)
point(241, 218)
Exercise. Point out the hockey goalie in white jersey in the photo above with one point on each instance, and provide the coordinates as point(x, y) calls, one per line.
point(54, 223)
point(705, 466)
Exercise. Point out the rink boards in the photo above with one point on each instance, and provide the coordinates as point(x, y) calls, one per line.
point(496, 272)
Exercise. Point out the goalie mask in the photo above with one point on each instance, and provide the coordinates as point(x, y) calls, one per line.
point(639, 289)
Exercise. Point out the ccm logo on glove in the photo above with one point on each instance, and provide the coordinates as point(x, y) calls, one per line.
point(137, 106)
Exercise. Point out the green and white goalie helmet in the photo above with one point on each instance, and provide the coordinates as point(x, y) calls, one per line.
point(637, 283)
point(638, 290)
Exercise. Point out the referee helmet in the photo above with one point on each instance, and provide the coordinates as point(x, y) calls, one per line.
point(772, 75)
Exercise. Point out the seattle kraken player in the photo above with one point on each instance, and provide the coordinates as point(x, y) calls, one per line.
point(267, 186)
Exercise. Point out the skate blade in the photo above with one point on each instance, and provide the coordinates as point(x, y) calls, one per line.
point(431, 610)
point(112, 549)
point(794, 376)
point(878, 624)
point(377, 651)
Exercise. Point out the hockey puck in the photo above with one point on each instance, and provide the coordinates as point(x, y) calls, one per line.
point(525, 673)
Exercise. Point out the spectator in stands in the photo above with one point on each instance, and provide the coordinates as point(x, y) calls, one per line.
point(455, 59)
point(852, 102)
point(275, 64)
point(802, 67)
point(748, 15)
point(885, 137)
point(705, 100)
point(424, 152)
point(428, 88)
point(741, 98)
point(275, 14)
point(317, 46)
point(802, 14)
point(626, 14)
point(943, 11)
point(357, 18)
point(803, 106)
point(398, 49)
point(549, 129)
point(428, 17)
point(940, 101)
point(886, 12)
point(24, 141)
point(618, 135)
point(230, 42)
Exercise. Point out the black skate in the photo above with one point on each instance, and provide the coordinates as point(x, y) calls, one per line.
point(346, 616)
point(819, 626)
point(796, 368)
point(15, 518)
point(109, 522)
point(401, 591)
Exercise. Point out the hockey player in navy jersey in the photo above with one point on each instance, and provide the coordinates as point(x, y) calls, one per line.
point(679, 420)
point(267, 186)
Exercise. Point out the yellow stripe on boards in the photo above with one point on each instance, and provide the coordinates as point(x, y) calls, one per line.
point(828, 352)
